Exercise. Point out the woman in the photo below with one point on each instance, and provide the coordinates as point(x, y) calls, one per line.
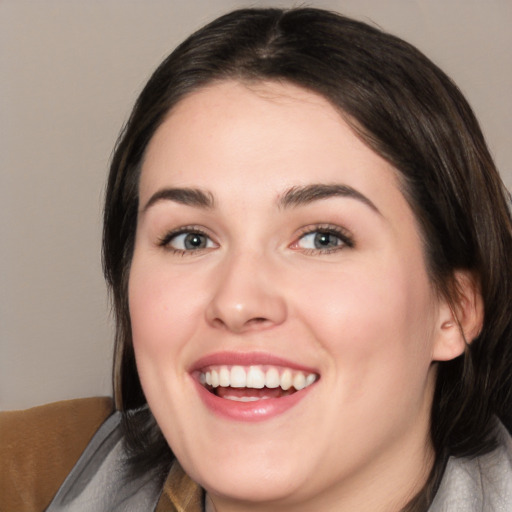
point(306, 242)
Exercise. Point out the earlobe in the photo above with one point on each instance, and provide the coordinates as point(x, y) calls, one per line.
point(459, 322)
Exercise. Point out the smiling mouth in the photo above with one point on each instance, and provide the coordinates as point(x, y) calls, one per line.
point(252, 383)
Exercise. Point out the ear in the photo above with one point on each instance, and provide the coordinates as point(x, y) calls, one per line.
point(460, 321)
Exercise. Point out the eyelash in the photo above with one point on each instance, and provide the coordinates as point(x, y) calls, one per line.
point(344, 236)
point(166, 240)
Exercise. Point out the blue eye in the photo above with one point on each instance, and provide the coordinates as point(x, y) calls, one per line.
point(186, 241)
point(323, 240)
point(320, 241)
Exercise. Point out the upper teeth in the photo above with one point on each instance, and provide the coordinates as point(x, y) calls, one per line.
point(256, 377)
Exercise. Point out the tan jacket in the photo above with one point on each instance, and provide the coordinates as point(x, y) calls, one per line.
point(40, 446)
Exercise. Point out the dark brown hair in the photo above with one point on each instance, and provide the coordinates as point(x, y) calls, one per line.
point(406, 110)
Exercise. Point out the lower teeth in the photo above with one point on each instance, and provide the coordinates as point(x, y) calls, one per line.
point(249, 394)
point(246, 398)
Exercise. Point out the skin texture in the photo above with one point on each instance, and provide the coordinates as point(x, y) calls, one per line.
point(363, 313)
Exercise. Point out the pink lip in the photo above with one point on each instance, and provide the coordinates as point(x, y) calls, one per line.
point(247, 411)
point(247, 359)
point(250, 411)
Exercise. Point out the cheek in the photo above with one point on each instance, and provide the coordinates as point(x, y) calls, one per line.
point(377, 321)
point(164, 310)
point(164, 317)
point(373, 326)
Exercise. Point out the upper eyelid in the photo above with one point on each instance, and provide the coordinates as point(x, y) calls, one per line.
point(328, 228)
point(336, 230)
point(172, 233)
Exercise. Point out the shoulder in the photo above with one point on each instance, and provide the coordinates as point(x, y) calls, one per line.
point(40, 446)
point(105, 478)
point(478, 483)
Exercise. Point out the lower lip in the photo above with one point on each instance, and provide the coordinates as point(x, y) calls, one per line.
point(259, 410)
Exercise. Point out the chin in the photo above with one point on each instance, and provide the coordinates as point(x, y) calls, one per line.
point(262, 484)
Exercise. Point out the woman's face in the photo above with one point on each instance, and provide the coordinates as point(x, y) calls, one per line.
point(283, 321)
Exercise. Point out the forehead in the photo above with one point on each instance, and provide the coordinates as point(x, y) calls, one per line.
point(257, 133)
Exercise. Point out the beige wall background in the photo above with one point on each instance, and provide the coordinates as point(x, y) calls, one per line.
point(70, 71)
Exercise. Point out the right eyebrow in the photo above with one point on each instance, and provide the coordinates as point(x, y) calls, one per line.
point(187, 196)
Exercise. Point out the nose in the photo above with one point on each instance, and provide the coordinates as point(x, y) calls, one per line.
point(246, 296)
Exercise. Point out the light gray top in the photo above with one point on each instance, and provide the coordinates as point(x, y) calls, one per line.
point(481, 484)
point(99, 482)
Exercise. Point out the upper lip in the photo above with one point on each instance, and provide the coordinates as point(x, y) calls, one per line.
point(247, 359)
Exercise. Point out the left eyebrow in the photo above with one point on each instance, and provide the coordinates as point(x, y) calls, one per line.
point(300, 196)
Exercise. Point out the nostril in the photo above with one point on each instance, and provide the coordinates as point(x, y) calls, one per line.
point(243, 325)
point(217, 322)
point(258, 321)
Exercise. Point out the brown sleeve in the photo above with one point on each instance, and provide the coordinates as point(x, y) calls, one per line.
point(39, 447)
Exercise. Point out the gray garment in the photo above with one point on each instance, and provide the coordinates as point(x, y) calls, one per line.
point(99, 482)
point(481, 484)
